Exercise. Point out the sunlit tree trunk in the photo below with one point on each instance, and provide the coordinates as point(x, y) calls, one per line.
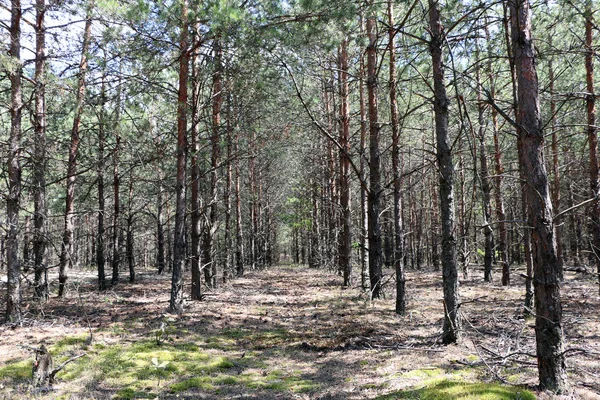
point(100, 259)
point(451, 328)
point(67, 248)
point(116, 258)
point(196, 287)
point(239, 233)
point(345, 238)
point(176, 300)
point(228, 267)
point(398, 225)
point(548, 308)
point(13, 199)
point(375, 189)
point(210, 264)
point(40, 159)
point(592, 136)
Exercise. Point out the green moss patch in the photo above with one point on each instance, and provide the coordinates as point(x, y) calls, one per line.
point(454, 390)
point(16, 371)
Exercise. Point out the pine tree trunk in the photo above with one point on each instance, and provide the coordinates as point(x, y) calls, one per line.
point(486, 188)
point(345, 242)
point(228, 267)
point(176, 300)
point(239, 234)
point(451, 328)
point(130, 240)
point(210, 265)
point(160, 231)
point(40, 163)
point(398, 225)
point(592, 138)
point(117, 232)
point(13, 199)
point(196, 287)
point(375, 189)
point(548, 326)
point(555, 186)
point(364, 211)
point(67, 248)
point(100, 259)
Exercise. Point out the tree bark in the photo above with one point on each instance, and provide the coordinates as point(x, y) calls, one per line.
point(67, 248)
point(176, 300)
point(364, 211)
point(486, 188)
point(592, 137)
point(375, 189)
point(345, 238)
point(398, 224)
point(117, 232)
point(451, 328)
point(555, 186)
point(210, 266)
point(130, 240)
point(13, 199)
point(548, 325)
point(40, 160)
point(196, 289)
point(228, 267)
point(239, 234)
point(100, 259)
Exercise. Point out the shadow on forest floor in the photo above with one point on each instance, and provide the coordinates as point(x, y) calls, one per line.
point(292, 332)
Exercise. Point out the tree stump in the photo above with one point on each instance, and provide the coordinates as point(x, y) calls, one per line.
point(42, 368)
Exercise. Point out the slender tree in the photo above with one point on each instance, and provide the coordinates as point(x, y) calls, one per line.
point(67, 248)
point(398, 228)
point(548, 323)
point(375, 189)
point(40, 160)
point(345, 238)
point(13, 200)
point(451, 328)
point(100, 258)
point(592, 136)
point(195, 184)
point(176, 301)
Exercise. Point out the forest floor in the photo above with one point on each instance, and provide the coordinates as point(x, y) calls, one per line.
point(290, 332)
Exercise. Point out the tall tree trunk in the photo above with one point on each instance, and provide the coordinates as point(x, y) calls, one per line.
point(117, 232)
point(486, 188)
point(548, 324)
point(176, 300)
point(375, 189)
point(239, 234)
point(13, 298)
point(524, 211)
point(451, 328)
point(592, 137)
point(210, 265)
point(67, 248)
point(160, 229)
point(345, 239)
point(398, 228)
point(228, 267)
point(40, 161)
point(555, 186)
point(499, 170)
point(364, 212)
point(196, 289)
point(100, 259)
point(130, 243)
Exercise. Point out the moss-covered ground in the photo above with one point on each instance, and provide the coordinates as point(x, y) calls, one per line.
point(283, 333)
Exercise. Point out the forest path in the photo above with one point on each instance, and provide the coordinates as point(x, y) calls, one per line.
point(285, 332)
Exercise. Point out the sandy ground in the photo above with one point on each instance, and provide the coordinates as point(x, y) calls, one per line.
point(294, 318)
